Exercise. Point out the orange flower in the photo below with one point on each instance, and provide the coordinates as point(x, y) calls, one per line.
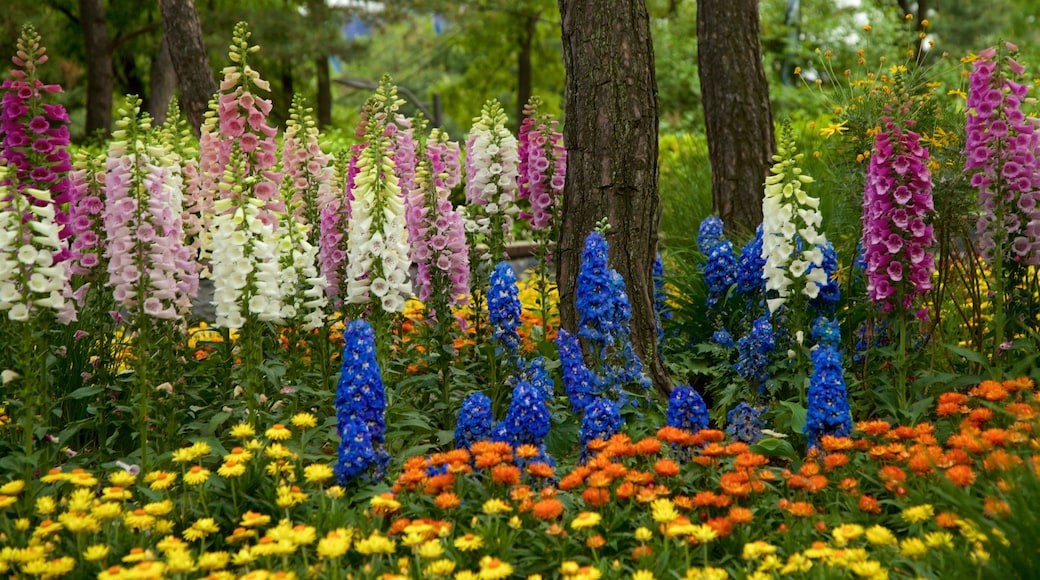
point(722, 526)
point(946, 520)
point(527, 451)
point(891, 476)
point(832, 461)
point(446, 500)
point(995, 437)
point(439, 483)
point(995, 507)
point(990, 390)
point(1001, 460)
point(817, 483)
point(596, 542)
point(595, 496)
point(848, 484)
point(831, 443)
point(1021, 383)
point(902, 432)
point(543, 470)
point(809, 468)
point(979, 416)
point(869, 504)
point(648, 446)
point(666, 468)
point(748, 460)
point(875, 428)
point(960, 475)
point(625, 491)
point(674, 435)
point(1021, 411)
point(599, 479)
point(639, 477)
point(520, 493)
point(642, 551)
point(572, 480)
point(703, 499)
point(506, 474)
point(801, 509)
point(739, 515)
point(487, 459)
point(547, 509)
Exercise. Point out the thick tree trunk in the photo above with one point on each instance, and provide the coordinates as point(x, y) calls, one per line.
point(100, 78)
point(163, 84)
point(183, 32)
point(737, 113)
point(611, 113)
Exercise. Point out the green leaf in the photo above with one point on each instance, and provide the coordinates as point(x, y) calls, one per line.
point(217, 420)
point(84, 392)
point(968, 354)
point(775, 447)
point(798, 414)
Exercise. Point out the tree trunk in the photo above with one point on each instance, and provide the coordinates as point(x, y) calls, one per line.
point(523, 75)
point(163, 84)
point(183, 32)
point(611, 113)
point(100, 78)
point(324, 108)
point(737, 113)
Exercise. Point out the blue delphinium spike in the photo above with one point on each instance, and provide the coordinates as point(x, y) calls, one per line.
point(360, 403)
point(686, 409)
point(749, 278)
point(602, 420)
point(752, 350)
point(475, 420)
point(744, 423)
point(504, 309)
point(828, 410)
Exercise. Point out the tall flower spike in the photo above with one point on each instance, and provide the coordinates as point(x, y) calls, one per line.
point(475, 420)
point(602, 420)
point(149, 268)
point(31, 278)
point(491, 182)
point(542, 169)
point(686, 409)
point(897, 209)
point(85, 213)
point(335, 226)
point(720, 265)
point(360, 404)
point(1000, 151)
point(789, 214)
point(828, 405)
point(504, 309)
point(377, 260)
point(527, 419)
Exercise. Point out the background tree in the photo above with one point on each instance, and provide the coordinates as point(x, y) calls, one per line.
point(100, 78)
point(183, 33)
point(611, 137)
point(738, 117)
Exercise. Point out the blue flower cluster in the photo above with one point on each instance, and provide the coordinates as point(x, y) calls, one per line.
point(602, 420)
point(601, 301)
point(744, 423)
point(504, 310)
point(723, 338)
point(534, 372)
point(527, 420)
point(709, 233)
point(826, 333)
point(686, 409)
point(828, 412)
point(749, 278)
point(475, 420)
point(719, 271)
point(578, 380)
point(752, 351)
point(360, 404)
point(827, 300)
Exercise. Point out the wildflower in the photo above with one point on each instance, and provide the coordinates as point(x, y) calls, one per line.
point(318, 472)
point(440, 568)
point(475, 420)
point(663, 511)
point(494, 569)
point(602, 419)
point(12, 488)
point(504, 308)
point(720, 265)
point(753, 349)
point(703, 534)
point(757, 549)
point(744, 423)
point(375, 544)
point(585, 520)
point(335, 543)
point(917, 514)
point(197, 475)
point(278, 432)
point(200, 529)
point(360, 402)
point(96, 552)
point(491, 183)
point(231, 468)
point(706, 573)
point(496, 506)
point(913, 548)
point(542, 168)
point(242, 431)
point(960, 475)
point(686, 409)
point(835, 128)
point(828, 412)
point(160, 480)
point(469, 543)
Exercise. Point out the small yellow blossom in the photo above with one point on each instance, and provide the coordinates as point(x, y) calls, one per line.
point(643, 534)
point(197, 475)
point(880, 536)
point(45, 505)
point(585, 520)
point(242, 431)
point(918, 514)
point(663, 510)
point(95, 553)
point(913, 548)
point(213, 560)
point(375, 544)
point(304, 420)
point(835, 128)
point(160, 480)
point(14, 487)
point(200, 529)
point(278, 432)
point(706, 573)
point(430, 550)
point(335, 543)
point(496, 506)
point(704, 533)
point(494, 569)
point(318, 472)
point(439, 569)
point(469, 542)
point(757, 549)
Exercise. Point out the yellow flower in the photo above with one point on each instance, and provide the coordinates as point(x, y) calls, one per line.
point(197, 475)
point(918, 514)
point(214, 560)
point(494, 569)
point(880, 536)
point(469, 542)
point(160, 480)
point(231, 469)
point(138, 520)
point(430, 550)
point(106, 510)
point(643, 575)
point(289, 496)
point(138, 555)
point(515, 523)
point(45, 505)
point(939, 540)
point(278, 432)
point(796, 563)
point(466, 575)
point(704, 533)
point(913, 548)
point(643, 534)
point(122, 478)
point(318, 472)
point(49, 568)
point(439, 569)
point(95, 553)
point(335, 543)
point(868, 569)
point(304, 420)
point(663, 510)
point(496, 506)
point(158, 508)
point(242, 431)
point(835, 128)
point(14, 487)
point(200, 529)
point(7, 501)
point(180, 562)
point(757, 549)
point(252, 519)
point(845, 533)
point(375, 544)
point(706, 573)
point(171, 544)
point(585, 520)
point(335, 492)
point(866, 28)
point(385, 501)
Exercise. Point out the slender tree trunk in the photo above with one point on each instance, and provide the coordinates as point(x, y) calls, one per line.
point(163, 84)
point(100, 77)
point(183, 32)
point(610, 132)
point(523, 75)
point(324, 109)
point(737, 113)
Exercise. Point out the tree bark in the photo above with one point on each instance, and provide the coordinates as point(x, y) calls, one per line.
point(324, 104)
point(183, 32)
point(163, 84)
point(611, 111)
point(100, 76)
point(737, 113)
